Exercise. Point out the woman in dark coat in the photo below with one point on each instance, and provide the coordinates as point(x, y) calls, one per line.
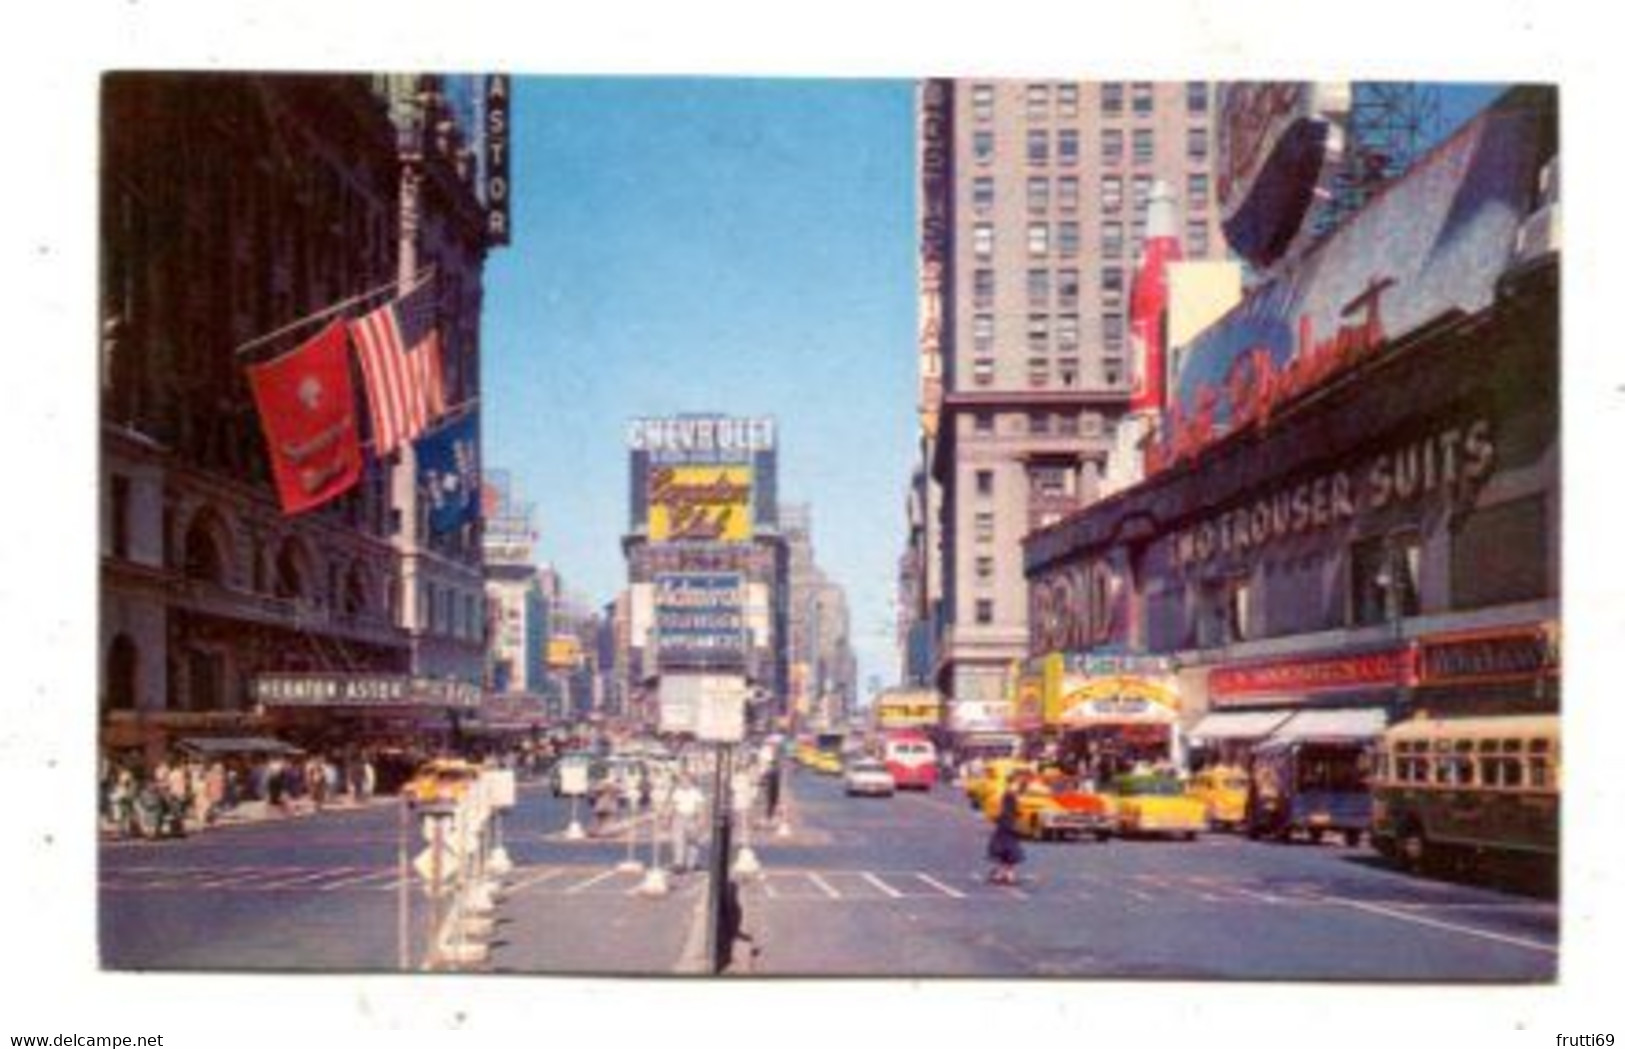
point(1004, 847)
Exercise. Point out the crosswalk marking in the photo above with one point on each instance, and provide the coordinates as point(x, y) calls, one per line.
point(829, 890)
point(594, 880)
point(934, 883)
point(882, 886)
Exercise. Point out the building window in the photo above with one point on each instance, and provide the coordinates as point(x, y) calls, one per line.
point(984, 482)
point(1196, 237)
point(1196, 144)
point(982, 371)
point(1111, 146)
point(120, 497)
point(982, 194)
point(1038, 195)
point(1111, 239)
point(1067, 192)
point(1111, 371)
point(1038, 332)
point(1225, 612)
point(984, 611)
point(1037, 372)
point(1111, 99)
point(1038, 239)
point(1037, 101)
point(1111, 193)
point(1038, 287)
point(1111, 285)
point(984, 569)
point(1196, 97)
point(1145, 147)
point(1143, 98)
point(1111, 333)
point(982, 289)
point(1384, 578)
point(1137, 238)
point(1066, 99)
point(984, 526)
point(1067, 291)
point(982, 146)
point(1051, 482)
point(1067, 235)
point(982, 240)
point(1066, 424)
point(1038, 147)
point(983, 422)
point(981, 101)
point(1038, 423)
point(1196, 191)
point(982, 332)
point(1066, 333)
point(1066, 147)
point(1142, 191)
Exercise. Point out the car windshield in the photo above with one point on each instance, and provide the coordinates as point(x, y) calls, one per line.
point(868, 766)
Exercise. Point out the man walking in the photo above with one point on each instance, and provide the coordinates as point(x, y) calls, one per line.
point(686, 805)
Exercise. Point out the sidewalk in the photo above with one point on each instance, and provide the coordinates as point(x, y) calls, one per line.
point(252, 812)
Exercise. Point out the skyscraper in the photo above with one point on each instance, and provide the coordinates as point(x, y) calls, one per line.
point(1033, 208)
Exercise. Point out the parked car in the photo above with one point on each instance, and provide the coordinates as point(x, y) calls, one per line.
point(1154, 803)
point(1223, 789)
point(870, 777)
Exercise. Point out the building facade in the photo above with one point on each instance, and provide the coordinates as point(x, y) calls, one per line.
point(232, 206)
point(1033, 208)
point(1356, 511)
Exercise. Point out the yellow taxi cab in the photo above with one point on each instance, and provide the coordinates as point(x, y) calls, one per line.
point(984, 787)
point(441, 781)
point(806, 753)
point(826, 762)
point(1223, 789)
point(1055, 805)
point(1153, 803)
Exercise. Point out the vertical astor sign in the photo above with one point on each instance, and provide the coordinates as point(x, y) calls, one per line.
point(307, 410)
point(497, 188)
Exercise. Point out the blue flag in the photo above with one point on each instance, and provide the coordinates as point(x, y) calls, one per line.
point(449, 473)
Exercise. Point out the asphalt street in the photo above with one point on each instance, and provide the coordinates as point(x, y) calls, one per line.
point(863, 887)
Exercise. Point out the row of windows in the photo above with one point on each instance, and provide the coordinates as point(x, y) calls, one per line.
point(1065, 330)
point(1067, 152)
point(1062, 99)
point(1505, 763)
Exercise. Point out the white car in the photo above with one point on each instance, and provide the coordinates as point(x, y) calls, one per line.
point(867, 776)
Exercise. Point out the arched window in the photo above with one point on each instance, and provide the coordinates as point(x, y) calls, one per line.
point(122, 666)
point(292, 571)
point(204, 549)
point(355, 591)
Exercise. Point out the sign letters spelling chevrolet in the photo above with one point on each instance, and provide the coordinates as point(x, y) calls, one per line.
point(362, 690)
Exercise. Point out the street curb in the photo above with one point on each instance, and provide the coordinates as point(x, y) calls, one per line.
point(692, 960)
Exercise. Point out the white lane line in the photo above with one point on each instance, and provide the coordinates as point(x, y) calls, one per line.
point(357, 880)
point(1434, 923)
point(546, 874)
point(882, 886)
point(294, 881)
point(829, 890)
point(935, 884)
point(767, 889)
point(243, 878)
point(594, 880)
point(1143, 897)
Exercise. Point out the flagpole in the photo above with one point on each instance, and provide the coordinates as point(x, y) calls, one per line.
point(338, 307)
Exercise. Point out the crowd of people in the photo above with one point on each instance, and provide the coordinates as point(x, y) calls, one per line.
point(181, 793)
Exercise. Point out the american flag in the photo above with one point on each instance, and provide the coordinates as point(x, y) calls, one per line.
point(400, 361)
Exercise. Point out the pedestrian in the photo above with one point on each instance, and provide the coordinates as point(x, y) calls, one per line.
point(686, 802)
point(1004, 847)
point(604, 803)
point(731, 927)
point(770, 790)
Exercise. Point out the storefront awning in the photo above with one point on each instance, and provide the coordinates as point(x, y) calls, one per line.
point(1238, 725)
point(214, 745)
point(1342, 723)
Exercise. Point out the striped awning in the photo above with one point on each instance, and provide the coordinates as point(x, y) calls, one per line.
point(1238, 724)
point(1339, 723)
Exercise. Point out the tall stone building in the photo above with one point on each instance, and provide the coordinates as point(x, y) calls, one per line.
point(1033, 208)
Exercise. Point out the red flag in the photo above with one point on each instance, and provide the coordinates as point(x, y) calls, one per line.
point(307, 409)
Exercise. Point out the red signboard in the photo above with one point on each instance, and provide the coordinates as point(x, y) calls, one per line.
point(1337, 673)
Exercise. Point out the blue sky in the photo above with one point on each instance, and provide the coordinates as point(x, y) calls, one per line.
point(713, 244)
point(743, 246)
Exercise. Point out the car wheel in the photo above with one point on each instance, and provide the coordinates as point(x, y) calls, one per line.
point(1413, 848)
point(1189, 835)
point(1351, 838)
point(1103, 835)
point(1315, 835)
